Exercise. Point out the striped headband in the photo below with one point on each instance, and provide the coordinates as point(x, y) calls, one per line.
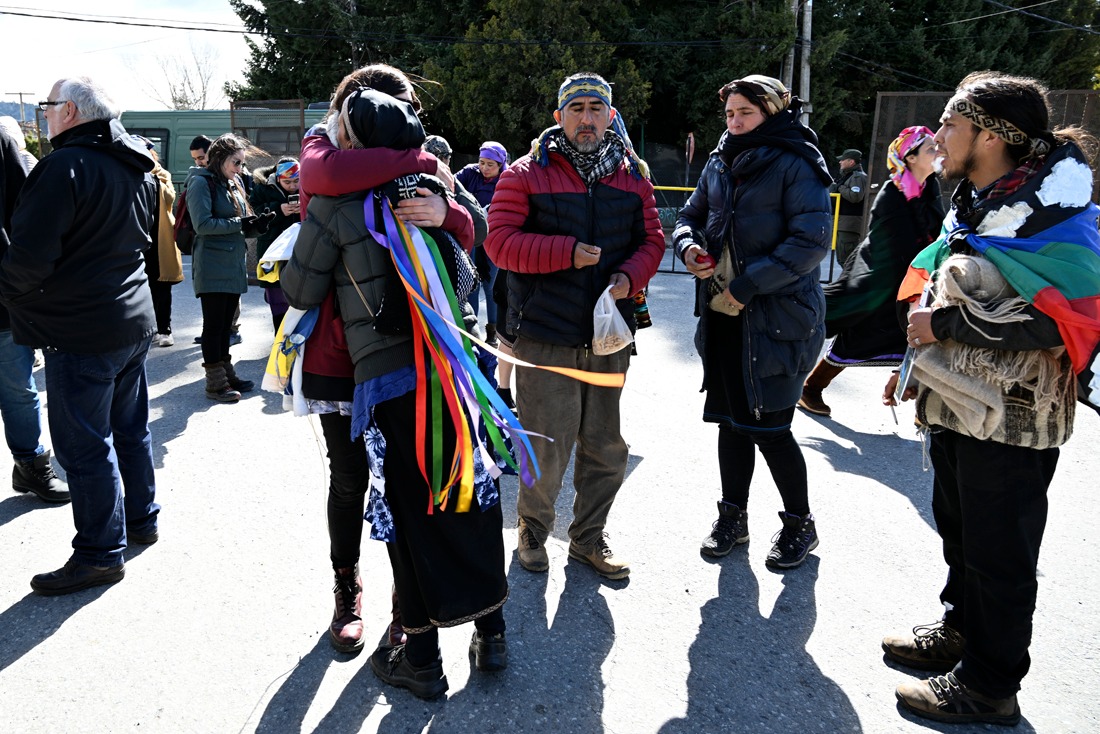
point(287, 169)
point(999, 126)
point(585, 86)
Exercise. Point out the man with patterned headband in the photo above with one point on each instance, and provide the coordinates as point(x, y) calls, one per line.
point(1016, 285)
point(571, 219)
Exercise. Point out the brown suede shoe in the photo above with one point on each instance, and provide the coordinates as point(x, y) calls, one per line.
point(532, 553)
point(935, 647)
point(601, 559)
point(812, 401)
point(943, 698)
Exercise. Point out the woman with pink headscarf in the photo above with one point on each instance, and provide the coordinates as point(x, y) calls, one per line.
point(860, 305)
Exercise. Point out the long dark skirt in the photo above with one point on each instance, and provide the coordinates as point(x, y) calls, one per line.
point(448, 566)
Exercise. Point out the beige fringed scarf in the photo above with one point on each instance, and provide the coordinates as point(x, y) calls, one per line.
point(1023, 398)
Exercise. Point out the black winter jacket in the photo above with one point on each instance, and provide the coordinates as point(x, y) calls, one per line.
point(772, 205)
point(74, 276)
point(14, 173)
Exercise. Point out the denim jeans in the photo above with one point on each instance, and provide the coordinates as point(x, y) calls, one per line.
point(19, 404)
point(99, 422)
point(486, 287)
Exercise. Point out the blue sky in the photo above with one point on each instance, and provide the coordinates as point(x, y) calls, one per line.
point(37, 52)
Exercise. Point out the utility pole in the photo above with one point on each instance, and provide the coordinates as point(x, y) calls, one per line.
point(788, 63)
point(804, 77)
point(22, 112)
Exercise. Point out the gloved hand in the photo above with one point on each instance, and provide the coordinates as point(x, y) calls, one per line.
point(255, 224)
point(263, 222)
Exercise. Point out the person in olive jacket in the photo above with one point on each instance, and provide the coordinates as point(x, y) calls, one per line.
point(220, 214)
point(754, 233)
point(275, 191)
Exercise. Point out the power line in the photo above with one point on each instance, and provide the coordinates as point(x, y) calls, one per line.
point(990, 15)
point(377, 37)
point(1083, 29)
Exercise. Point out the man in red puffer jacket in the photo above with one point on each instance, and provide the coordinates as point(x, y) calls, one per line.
point(570, 219)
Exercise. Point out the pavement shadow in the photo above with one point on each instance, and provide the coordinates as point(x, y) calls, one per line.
point(34, 618)
point(885, 458)
point(287, 709)
point(13, 507)
point(752, 673)
point(554, 680)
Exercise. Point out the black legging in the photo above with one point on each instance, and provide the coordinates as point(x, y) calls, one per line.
point(737, 459)
point(217, 320)
point(349, 479)
point(162, 304)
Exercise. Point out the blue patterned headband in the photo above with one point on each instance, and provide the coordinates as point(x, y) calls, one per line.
point(585, 86)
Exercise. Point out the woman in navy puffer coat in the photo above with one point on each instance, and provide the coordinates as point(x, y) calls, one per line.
point(753, 233)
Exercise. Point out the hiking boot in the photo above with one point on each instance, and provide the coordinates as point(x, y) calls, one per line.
point(811, 400)
point(346, 630)
point(231, 377)
point(791, 544)
point(395, 632)
point(730, 529)
point(217, 386)
point(532, 553)
point(601, 558)
point(944, 698)
point(37, 475)
point(490, 651)
point(393, 668)
point(935, 647)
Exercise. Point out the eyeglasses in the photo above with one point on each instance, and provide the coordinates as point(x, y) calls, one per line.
point(45, 105)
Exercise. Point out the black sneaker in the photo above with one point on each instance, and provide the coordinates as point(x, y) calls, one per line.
point(490, 652)
point(797, 538)
point(235, 339)
point(730, 529)
point(934, 647)
point(393, 668)
point(37, 475)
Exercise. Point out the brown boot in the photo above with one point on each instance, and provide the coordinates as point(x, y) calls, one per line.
point(818, 380)
point(346, 630)
point(395, 633)
point(217, 386)
point(231, 376)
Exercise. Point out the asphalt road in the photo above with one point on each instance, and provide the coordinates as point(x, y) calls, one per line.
point(221, 626)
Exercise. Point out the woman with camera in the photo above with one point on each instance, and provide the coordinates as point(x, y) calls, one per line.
point(221, 216)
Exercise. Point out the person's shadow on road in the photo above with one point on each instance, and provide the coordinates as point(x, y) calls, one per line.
point(34, 618)
point(752, 673)
point(885, 458)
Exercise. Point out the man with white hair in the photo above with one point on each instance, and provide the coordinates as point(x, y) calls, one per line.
point(73, 280)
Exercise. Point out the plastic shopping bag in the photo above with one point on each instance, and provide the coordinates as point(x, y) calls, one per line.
point(610, 330)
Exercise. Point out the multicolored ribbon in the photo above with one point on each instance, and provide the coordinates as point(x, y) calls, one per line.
point(447, 370)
